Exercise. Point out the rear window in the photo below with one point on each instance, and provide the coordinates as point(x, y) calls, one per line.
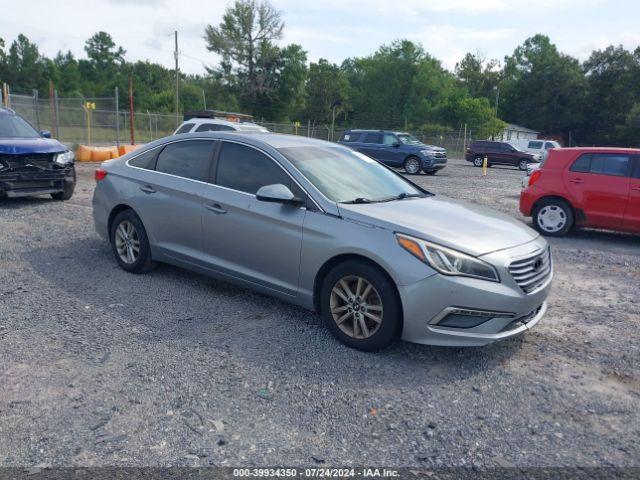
point(188, 159)
point(373, 138)
point(350, 137)
point(602, 164)
point(185, 128)
point(146, 160)
point(208, 127)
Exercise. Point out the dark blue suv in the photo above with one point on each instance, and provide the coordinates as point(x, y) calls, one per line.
point(31, 163)
point(397, 149)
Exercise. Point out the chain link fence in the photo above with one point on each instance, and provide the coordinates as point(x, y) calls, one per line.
point(98, 121)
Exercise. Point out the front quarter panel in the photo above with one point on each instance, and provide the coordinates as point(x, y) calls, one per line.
point(327, 236)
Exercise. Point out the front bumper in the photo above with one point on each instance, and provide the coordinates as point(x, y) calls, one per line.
point(434, 163)
point(508, 311)
point(27, 182)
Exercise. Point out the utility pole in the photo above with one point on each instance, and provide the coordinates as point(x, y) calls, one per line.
point(175, 54)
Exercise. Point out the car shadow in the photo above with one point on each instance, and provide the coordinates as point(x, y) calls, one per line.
point(172, 305)
point(598, 240)
point(22, 202)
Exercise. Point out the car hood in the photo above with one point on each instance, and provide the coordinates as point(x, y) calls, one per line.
point(466, 227)
point(423, 146)
point(19, 146)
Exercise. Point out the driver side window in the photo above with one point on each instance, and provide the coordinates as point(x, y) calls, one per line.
point(389, 139)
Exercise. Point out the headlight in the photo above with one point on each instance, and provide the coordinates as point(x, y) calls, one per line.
point(427, 153)
point(446, 260)
point(64, 158)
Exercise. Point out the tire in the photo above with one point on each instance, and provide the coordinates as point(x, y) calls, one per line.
point(478, 161)
point(381, 302)
point(430, 172)
point(553, 217)
point(69, 188)
point(412, 165)
point(522, 164)
point(142, 261)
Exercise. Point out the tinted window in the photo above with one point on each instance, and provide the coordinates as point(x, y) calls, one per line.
point(635, 173)
point(582, 164)
point(373, 138)
point(246, 169)
point(145, 160)
point(549, 146)
point(505, 147)
point(536, 145)
point(185, 128)
point(14, 126)
point(226, 128)
point(188, 159)
point(208, 127)
point(609, 164)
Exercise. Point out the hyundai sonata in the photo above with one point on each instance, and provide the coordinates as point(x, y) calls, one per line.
point(329, 229)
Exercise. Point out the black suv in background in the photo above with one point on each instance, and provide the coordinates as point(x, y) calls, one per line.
point(396, 149)
point(499, 153)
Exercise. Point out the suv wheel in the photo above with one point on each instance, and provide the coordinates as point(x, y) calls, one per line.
point(478, 160)
point(130, 243)
point(553, 217)
point(359, 306)
point(69, 187)
point(412, 165)
point(522, 165)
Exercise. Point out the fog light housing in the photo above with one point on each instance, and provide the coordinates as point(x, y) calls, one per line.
point(456, 317)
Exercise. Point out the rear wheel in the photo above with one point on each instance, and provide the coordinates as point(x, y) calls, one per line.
point(522, 164)
point(130, 243)
point(359, 306)
point(412, 165)
point(430, 172)
point(553, 217)
point(478, 161)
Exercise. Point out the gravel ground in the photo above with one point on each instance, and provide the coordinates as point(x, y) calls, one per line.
point(100, 367)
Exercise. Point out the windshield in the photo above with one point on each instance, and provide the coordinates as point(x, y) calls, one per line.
point(12, 126)
point(409, 139)
point(343, 175)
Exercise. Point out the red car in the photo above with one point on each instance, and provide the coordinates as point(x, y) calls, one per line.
point(586, 187)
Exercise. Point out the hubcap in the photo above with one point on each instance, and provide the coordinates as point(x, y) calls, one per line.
point(413, 166)
point(478, 162)
point(523, 165)
point(552, 218)
point(356, 307)
point(127, 242)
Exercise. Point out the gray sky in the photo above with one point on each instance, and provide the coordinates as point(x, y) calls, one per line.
point(332, 29)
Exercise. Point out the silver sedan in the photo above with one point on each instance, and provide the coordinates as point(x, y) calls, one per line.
point(329, 229)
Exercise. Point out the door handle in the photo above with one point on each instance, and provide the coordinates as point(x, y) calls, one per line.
point(215, 208)
point(148, 189)
point(576, 180)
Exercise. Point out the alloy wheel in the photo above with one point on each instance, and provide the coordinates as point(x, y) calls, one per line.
point(127, 242)
point(552, 218)
point(478, 161)
point(412, 166)
point(356, 307)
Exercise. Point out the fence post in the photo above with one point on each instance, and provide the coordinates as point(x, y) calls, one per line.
point(55, 98)
point(35, 107)
point(117, 118)
point(52, 108)
point(133, 142)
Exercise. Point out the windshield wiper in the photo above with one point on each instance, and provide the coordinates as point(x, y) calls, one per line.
point(359, 200)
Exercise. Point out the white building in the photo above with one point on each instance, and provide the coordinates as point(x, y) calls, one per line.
point(516, 132)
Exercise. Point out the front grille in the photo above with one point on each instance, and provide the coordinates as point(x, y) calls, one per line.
point(27, 162)
point(440, 155)
point(532, 272)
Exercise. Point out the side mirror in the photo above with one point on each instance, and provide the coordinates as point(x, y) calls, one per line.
point(45, 133)
point(277, 193)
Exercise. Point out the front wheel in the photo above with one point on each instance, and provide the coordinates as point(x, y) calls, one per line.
point(522, 165)
point(412, 165)
point(553, 218)
point(359, 306)
point(430, 172)
point(69, 188)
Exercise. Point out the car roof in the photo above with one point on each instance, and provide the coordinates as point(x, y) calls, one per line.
point(259, 139)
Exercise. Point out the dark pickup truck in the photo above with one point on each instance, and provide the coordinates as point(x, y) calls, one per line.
point(31, 163)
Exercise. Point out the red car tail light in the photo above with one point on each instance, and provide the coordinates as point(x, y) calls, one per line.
point(100, 174)
point(535, 176)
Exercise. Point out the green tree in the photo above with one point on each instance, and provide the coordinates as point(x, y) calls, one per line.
point(325, 86)
point(480, 77)
point(68, 76)
point(245, 40)
point(613, 77)
point(103, 52)
point(26, 69)
point(542, 88)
